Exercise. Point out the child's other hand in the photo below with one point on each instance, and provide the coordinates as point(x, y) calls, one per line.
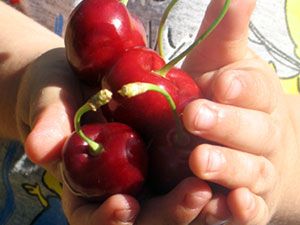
point(247, 115)
point(252, 122)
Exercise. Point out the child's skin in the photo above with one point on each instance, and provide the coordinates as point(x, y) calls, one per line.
point(255, 124)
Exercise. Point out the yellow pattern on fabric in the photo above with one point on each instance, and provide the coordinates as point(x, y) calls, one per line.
point(291, 85)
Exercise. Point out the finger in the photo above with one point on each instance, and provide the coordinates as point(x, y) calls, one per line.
point(247, 208)
point(46, 114)
point(233, 169)
point(215, 212)
point(44, 143)
point(52, 124)
point(248, 84)
point(181, 206)
point(116, 210)
point(229, 125)
point(227, 43)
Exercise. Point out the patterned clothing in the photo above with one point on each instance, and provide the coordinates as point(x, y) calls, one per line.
point(30, 195)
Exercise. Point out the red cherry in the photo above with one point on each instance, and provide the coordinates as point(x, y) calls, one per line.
point(120, 168)
point(168, 159)
point(149, 112)
point(97, 33)
point(187, 88)
point(168, 149)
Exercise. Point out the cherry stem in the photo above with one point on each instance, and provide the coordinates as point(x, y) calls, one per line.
point(161, 27)
point(164, 70)
point(124, 2)
point(136, 88)
point(95, 102)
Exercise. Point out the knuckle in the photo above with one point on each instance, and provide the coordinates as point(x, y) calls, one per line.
point(266, 177)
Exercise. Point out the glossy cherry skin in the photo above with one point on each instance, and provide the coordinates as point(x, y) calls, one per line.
point(149, 112)
point(120, 168)
point(97, 33)
point(168, 160)
point(188, 90)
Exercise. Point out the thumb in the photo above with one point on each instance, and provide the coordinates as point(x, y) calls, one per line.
point(227, 43)
point(47, 100)
point(44, 143)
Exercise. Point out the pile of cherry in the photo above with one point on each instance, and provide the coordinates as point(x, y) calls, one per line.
point(143, 141)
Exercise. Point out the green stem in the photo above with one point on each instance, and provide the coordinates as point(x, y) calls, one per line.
point(161, 27)
point(124, 2)
point(163, 71)
point(95, 102)
point(136, 88)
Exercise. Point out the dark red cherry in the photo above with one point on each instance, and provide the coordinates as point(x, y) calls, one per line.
point(149, 112)
point(120, 167)
point(97, 33)
point(168, 159)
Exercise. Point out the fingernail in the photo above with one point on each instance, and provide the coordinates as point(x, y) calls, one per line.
point(206, 117)
point(234, 89)
point(211, 220)
point(214, 160)
point(195, 200)
point(125, 215)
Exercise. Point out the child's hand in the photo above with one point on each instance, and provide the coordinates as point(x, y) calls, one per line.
point(257, 152)
point(254, 124)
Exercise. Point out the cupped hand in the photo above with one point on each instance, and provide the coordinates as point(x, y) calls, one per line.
point(247, 115)
point(252, 122)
